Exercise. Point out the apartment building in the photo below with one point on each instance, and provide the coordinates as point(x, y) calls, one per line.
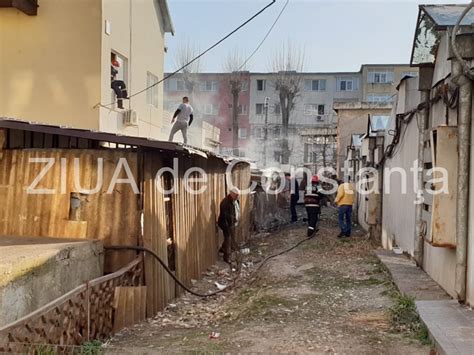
point(56, 62)
point(379, 81)
point(212, 100)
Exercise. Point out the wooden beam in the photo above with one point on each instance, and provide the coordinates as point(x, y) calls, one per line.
point(3, 141)
point(6, 3)
point(29, 7)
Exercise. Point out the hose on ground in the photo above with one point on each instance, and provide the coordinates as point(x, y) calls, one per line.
point(182, 285)
point(167, 269)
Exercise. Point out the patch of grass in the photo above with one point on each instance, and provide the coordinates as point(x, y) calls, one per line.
point(44, 350)
point(254, 304)
point(93, 347)
point(405, 318)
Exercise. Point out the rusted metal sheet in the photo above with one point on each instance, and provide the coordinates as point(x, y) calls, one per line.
point(112, 218)
point(444, 143)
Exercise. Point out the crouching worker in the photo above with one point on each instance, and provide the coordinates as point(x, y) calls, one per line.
point(228, 219)
point(312, 200)
point(119, 87)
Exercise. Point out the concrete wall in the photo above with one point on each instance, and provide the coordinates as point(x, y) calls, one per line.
point(55, 67)
point(137, 34)
point(50, 63)
point(398, 220)
point(352, 119)
point(36, 271)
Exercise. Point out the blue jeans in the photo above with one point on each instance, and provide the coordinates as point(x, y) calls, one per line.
point(345, 219)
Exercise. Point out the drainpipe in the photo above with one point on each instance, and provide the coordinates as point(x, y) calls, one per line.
point(462, 77)
point(419, 240)
point(462, 210)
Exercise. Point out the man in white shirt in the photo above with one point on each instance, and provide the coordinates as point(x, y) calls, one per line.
point(183, 117)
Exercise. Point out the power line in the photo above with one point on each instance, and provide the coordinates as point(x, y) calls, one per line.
point(264, 38)
point(196, 58)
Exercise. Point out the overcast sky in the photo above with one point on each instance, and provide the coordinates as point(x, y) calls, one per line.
point(336, 35)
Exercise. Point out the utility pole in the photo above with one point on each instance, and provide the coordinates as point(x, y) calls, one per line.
point(265, 134)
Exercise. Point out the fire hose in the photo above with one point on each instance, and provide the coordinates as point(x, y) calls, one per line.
point(181, 284)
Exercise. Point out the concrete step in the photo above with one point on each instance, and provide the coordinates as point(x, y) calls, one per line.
point(34, 271)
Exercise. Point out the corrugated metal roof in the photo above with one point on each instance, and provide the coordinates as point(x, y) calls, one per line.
point(448, 15)
point(12, 123)
point(431, 20)
point(378, 123)
point(165, 13)
point(356, 140)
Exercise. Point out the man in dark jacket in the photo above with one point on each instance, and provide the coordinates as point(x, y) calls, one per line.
point(118, 86)
point(294, 191)
point(313, 199)
point(228, 219)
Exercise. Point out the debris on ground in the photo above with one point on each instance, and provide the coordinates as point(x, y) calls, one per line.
point(324, 296)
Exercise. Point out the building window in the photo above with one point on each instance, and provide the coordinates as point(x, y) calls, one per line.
point(261, 85)
point(175, 85)
point(210, 110)
point(380, 77)
point(258, 133)
point(277, 109)
point(152, 92)
point(122, 69)
point(209, 86)
point(241, 109)
point(379, 98)
point(180, 85)
point(315, 85)
point(347, 84)
point(259, 109)
point(278, 155)
point(242, 133)
point(245, 86)
point(277, 132)
point(314, 109)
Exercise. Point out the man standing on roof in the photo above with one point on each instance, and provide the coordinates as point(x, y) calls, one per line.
point(183, 117)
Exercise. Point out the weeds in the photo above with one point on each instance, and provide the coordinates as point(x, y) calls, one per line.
point(91, 348)
point(405, 318)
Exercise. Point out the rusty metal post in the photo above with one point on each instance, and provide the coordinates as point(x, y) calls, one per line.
point(462, 210)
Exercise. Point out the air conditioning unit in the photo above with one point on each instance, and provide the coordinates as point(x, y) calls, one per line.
point(130, 118)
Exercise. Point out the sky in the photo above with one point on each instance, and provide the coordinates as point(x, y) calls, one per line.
point(335, 35)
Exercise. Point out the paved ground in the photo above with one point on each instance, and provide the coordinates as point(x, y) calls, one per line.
point(326, 296)
point(450, 324)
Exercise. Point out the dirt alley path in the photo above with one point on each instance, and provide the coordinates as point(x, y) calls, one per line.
point(326, 296)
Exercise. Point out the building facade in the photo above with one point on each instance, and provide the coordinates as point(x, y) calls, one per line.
point(314, 117)
point(62, 74)
point(212, 100)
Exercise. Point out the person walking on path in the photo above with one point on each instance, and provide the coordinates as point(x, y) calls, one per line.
point(312, 201)
point(344, 200)
point(294, 191)
point(229, 217)
point(183, 117)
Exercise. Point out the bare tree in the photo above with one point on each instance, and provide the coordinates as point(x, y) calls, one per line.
point(287, 65)
point(235, 65)
point(185, 53)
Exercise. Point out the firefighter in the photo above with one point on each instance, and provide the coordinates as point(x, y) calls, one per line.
point(313, 199)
